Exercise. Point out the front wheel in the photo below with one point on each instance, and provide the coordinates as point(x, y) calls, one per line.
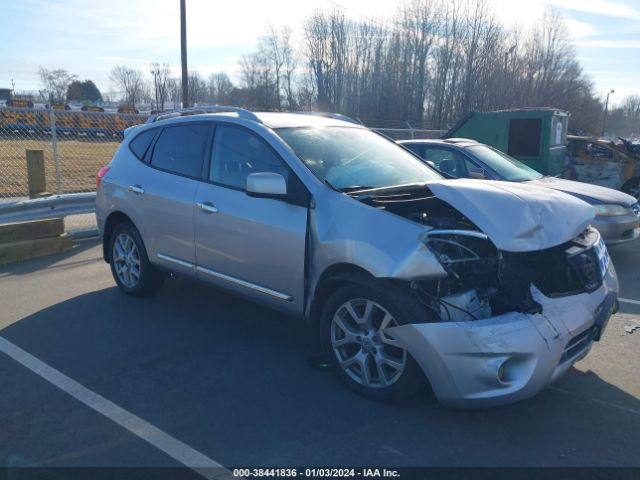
point(130, 265)
point(632, 187)
point(357, 344)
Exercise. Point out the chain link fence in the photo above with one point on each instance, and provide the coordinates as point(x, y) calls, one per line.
point(410, 133)
point(75, 145)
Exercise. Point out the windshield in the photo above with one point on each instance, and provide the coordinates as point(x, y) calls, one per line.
point(355, 158)
point(507, 167)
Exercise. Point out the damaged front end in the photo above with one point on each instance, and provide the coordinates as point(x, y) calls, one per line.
point(484, 281)
point(517, 306)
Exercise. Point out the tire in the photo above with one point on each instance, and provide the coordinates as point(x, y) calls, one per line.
point(632, 187)
point(401, 377)
point(132, 272)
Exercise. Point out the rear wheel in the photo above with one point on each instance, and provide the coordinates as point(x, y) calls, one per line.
point(130, 265)
point(356, 342)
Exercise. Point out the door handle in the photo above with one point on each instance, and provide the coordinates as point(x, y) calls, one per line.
point(207, 207)
point(137, 189)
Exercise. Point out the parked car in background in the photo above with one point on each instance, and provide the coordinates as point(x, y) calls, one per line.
point(613, 164)
point(617, 214)
point(402, 273)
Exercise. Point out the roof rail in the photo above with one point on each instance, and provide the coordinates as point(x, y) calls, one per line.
point(207, 109)
point(336, 116)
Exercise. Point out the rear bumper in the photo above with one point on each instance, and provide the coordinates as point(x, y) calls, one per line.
point(513, 356)
point(619, 229)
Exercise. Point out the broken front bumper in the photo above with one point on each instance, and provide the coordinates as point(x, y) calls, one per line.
point(512, 356)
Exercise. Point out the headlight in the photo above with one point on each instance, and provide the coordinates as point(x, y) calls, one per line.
point(636, 209)
point(610, 210)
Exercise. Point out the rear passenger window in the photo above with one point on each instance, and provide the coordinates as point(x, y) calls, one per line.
point(181, 149)
point(237, 153)
point(140, 144)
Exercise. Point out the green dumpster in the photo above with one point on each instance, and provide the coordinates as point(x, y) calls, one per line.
point(535, 136)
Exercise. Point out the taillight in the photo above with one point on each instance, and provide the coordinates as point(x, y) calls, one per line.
point(101, 173)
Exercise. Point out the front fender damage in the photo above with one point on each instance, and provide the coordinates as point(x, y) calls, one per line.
point(508, 357)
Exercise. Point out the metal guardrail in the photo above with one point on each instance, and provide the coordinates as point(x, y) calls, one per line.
point(54, 206)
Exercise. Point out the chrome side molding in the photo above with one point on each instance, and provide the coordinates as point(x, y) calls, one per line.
point(244, 283)
point(177, 261)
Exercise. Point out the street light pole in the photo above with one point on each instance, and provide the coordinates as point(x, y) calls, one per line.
point(183, 52)
point(606, 107)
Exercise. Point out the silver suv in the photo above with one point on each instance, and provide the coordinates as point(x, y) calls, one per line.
point(489, 289)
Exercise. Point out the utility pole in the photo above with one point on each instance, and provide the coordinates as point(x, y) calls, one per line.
point(183, 51)
point(13, 88)
point(606, 107)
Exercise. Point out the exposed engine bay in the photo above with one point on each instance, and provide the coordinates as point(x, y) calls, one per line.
point(482, 280)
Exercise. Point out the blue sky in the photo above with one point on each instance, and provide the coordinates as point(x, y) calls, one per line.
point(89, 38)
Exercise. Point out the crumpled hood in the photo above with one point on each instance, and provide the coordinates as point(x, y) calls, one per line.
point(596, 192)
point(516, 217)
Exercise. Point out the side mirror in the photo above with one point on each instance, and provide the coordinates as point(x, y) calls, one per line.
point(477, 173)
point(266, 184)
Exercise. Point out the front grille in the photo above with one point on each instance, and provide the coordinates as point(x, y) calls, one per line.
point(578, 344)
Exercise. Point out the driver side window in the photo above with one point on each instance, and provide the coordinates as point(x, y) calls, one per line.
point(237, 152)
point(446, 161)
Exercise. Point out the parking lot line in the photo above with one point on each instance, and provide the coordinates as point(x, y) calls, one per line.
point(628, 300)
point(163, 441)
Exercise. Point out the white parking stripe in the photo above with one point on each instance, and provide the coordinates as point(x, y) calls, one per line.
point(174, 448)
point(628, 300)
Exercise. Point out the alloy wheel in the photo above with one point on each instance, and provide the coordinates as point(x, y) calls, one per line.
point(362, 346)
point(126, 260)
point(634, 189)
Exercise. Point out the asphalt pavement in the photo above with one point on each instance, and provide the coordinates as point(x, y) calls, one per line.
point(234, 382)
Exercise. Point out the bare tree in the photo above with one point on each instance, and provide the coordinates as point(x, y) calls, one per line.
point(258, 79)
point(278, 51)
point(197, 88)
point(130, 82)
point(428, 64)
point(55, 84)
point(161, 75)
point(220, 88)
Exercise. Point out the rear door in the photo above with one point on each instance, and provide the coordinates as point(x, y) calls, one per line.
point(164, 195)
point(253, 246)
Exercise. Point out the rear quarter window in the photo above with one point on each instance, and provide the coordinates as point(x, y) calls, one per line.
point(140, 144)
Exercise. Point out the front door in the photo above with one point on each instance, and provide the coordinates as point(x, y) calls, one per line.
point(253, 246)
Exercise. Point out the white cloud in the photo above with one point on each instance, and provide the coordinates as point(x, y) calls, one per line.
point(600, 7)
point(608, 43)
point(579, 29)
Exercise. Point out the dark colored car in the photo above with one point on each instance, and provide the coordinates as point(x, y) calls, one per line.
point(617, 214)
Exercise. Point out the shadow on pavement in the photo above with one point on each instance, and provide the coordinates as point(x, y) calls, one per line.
point(46, 262)
point(233, 380)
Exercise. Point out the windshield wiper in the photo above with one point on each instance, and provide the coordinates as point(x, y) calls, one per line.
point(354, 188)
point(349, 189)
